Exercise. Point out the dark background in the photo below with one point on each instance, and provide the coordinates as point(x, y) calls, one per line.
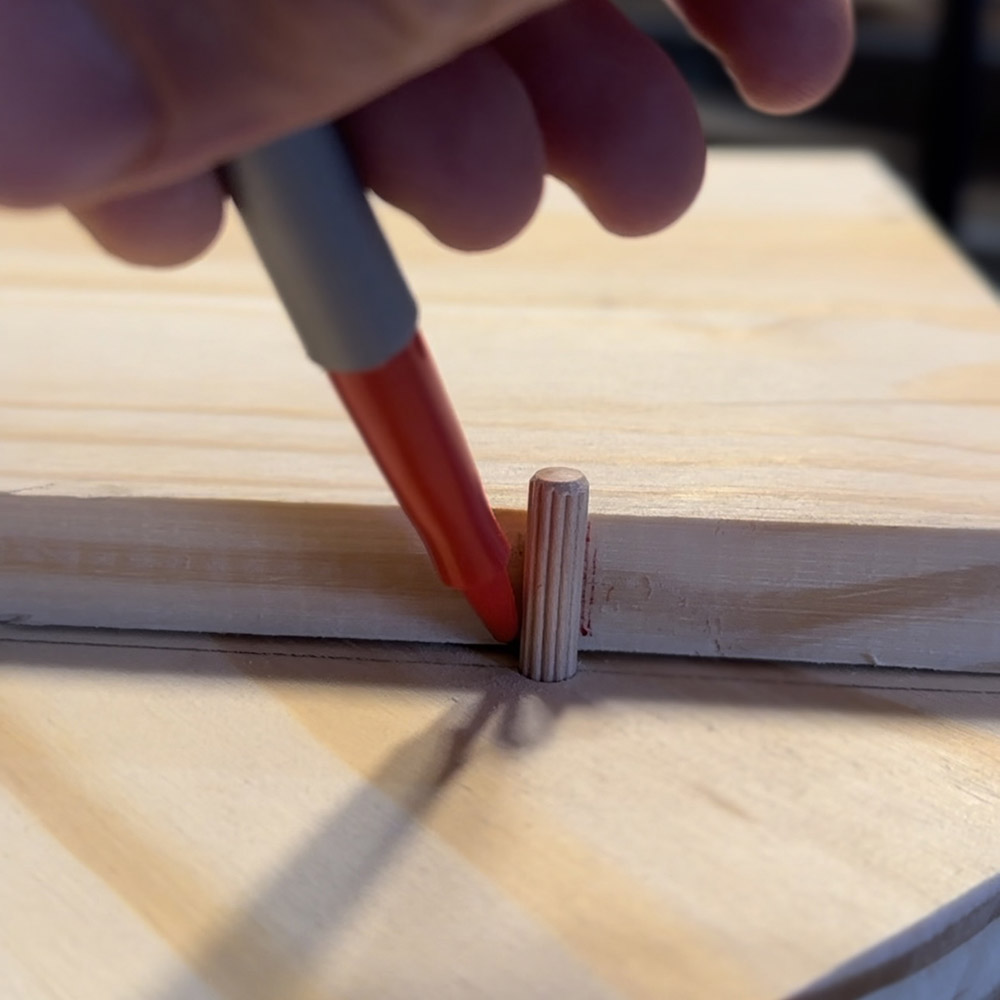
point(923, 92)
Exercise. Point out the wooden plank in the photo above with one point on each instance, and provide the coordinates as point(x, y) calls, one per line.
point(244, 819)
point(785, 406)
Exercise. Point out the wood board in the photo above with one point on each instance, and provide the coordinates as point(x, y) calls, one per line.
point(786, 406)
point(195, 818)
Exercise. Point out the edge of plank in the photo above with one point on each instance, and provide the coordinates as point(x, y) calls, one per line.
point(906, 596)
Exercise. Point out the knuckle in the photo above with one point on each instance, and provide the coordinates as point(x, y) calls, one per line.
point(350, 47)
point(443, 25)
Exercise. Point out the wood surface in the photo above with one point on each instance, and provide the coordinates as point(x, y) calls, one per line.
point(786, 407)
point(194, 818)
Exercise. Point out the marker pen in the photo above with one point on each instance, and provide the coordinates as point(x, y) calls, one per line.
point(308, 216)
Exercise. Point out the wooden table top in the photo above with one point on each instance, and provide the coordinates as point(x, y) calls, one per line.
point(189, 817)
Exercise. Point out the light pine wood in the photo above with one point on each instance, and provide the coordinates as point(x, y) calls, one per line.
point(555, 553)
point(786, 407)
point(194, 818)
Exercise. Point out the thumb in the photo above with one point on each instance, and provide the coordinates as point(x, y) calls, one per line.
point(101, 98)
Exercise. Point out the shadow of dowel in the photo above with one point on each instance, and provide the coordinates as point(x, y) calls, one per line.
point(316, 890)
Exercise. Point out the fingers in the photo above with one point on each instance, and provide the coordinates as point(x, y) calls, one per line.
point(102, 98)
point(784, 55)
point(464, 148)
point(159, 228)
point(620, 125)
point(458, 148)
point(73, 112)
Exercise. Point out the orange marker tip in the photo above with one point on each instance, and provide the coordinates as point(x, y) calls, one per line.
point(494, 602)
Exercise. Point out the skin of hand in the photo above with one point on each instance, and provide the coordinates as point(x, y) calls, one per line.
point(454, 109)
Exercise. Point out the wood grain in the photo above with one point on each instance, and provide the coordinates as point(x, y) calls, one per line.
point(195, 818)
point(786, 407)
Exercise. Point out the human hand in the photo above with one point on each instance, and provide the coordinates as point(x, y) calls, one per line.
point(455, 109)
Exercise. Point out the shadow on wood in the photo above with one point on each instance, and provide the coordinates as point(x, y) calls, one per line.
point(313, 894)
point(492, 671)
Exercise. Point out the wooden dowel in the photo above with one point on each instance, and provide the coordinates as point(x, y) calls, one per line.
point(554, 559)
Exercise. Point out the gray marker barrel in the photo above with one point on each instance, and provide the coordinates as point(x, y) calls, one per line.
point(308, 216)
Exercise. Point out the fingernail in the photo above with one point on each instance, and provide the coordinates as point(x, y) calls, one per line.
point(75, 113)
